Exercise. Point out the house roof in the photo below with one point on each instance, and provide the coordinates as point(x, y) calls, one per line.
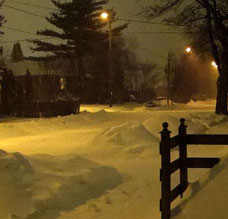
point(37, 68)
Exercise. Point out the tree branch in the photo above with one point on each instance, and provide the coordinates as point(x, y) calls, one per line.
point(158, 10)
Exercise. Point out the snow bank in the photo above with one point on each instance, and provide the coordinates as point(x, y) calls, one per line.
point(42, 186)
point(207, 103)
point(128, 134)
point(129, 138)
point(16, 177)
point(155, 123)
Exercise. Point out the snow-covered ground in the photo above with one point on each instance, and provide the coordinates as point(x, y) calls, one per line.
point(104, 164)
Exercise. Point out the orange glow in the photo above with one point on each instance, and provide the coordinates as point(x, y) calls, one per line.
point(213, 63)
point(104, 15)
point(188, 49)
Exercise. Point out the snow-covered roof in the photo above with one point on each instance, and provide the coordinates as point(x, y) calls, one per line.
point(36, 68)
point(20, 68)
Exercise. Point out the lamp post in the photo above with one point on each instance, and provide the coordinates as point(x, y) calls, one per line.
point(106, 16)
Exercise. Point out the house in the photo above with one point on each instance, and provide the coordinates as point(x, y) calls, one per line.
point(46, 83)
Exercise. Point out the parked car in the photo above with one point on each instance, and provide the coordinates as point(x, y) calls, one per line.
point(153, 103)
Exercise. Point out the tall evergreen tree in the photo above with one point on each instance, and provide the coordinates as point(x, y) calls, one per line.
point(79, 27)
point(17, 54)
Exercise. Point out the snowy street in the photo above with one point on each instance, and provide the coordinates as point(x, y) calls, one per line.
point(104, 164)
point(87, 90)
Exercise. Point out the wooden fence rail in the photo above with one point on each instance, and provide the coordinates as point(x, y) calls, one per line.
point(182, 163)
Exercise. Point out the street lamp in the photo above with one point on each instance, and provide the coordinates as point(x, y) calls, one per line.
point(213, 63)
point(106, 16)
point(188, 50)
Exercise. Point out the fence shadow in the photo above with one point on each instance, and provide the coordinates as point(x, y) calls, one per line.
point(197, 186)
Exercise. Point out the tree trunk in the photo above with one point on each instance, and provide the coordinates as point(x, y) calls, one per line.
point(81, 71)
point(221, 104)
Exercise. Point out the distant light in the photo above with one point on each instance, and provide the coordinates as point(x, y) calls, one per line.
point(188, 49)
point(104, 15)
point(213, 63)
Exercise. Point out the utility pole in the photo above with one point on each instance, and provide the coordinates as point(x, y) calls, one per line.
point(110, 61)
point(106, 16)
point(168, 71)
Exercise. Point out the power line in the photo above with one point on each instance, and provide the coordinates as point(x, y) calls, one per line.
point(156, 32)
point(23, 11)
point(34, 34)
point(32, 5)
point(39, 6)
point(30, 13)
point(128, 20)
point(19, 30)
point(12, 41)
point(22, 31)
point(21, 40)
point(15, 29)
point(138, 21)
point(25, 40)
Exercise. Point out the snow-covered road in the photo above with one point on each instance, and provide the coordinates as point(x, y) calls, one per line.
point(101, 164)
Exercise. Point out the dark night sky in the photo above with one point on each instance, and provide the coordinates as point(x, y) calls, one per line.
point(153, 47)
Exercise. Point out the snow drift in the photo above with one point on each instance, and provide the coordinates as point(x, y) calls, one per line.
point(42, 186)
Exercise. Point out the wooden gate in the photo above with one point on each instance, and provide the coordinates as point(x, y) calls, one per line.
point(182, 140)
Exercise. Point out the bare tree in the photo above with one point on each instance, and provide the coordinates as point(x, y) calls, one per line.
point(195, 15)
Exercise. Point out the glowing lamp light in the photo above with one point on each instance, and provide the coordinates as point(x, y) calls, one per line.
point(104, 15)
point(213, 63)
point(188, 49)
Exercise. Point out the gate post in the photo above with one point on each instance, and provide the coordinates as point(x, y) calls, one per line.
point(183, 156)
point(165, 172)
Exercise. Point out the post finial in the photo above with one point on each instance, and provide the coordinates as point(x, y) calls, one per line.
point(182, 127)
point(165, 133)
point(165, 125)
point(182, 120)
